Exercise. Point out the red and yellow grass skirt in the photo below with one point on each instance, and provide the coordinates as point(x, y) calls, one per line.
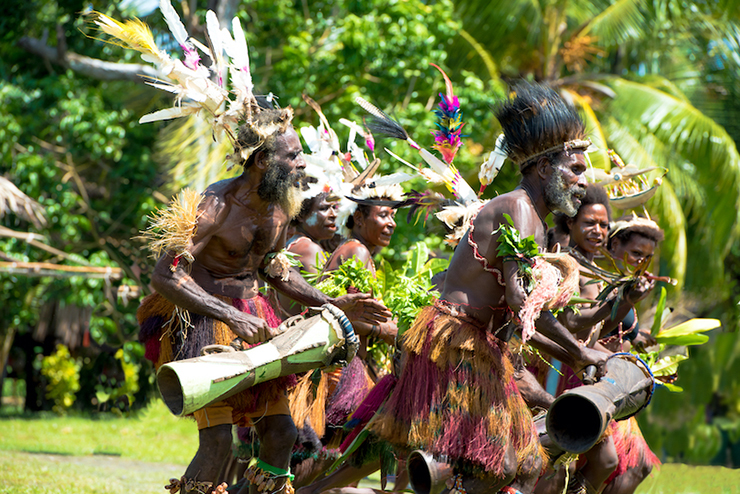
point(457, 397)
point(167, 337)
point(632, 449)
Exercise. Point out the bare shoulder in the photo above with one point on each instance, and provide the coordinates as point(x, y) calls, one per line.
point(517, 206)
point(214, 206)
point(305, 247)
point(346, 251)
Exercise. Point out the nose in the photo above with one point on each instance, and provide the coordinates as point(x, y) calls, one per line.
point(300, 162)
point(333, 212)
point(393, 222)
point(582, 180)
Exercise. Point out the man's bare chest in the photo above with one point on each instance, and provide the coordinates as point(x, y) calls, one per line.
point(243, 236)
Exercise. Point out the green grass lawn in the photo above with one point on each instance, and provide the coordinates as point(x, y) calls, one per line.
point(47, 454)
point(154, 435)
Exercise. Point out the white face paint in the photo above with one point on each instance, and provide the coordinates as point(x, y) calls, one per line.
point(559, 197)
point(313, 219)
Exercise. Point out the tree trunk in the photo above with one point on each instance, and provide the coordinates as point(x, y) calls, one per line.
point(7, 343)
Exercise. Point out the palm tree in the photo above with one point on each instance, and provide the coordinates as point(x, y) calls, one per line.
point(630, 67)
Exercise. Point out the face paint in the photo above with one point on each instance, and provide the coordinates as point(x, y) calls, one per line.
point(312, 219)
point(560, 197)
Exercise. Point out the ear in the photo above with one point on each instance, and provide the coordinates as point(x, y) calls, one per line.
point(359, 219)
point(543, 168)
point(260, 159)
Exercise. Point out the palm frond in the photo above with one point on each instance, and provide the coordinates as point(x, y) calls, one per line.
point(621, 21)
point(699, 140)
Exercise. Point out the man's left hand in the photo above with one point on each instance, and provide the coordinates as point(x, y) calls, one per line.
point(362, 307)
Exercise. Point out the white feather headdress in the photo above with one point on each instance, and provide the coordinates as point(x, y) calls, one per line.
point(199, 89)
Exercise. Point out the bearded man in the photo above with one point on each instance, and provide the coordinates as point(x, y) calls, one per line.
point(456, 396)
point(207, 293)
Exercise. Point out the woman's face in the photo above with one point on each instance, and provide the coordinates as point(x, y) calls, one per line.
point(636, 249)
point(320, 224)
point(378, 226)
point(589, 228)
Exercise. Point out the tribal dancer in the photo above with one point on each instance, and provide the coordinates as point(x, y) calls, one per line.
point(587, 231)
point(456, 396)
point(214, 246)
point(315, 222)
point(632, 239)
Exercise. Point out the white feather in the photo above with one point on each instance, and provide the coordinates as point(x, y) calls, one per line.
point(393, 178)
point(214, 33)
point(177, 28)
point(169, 113)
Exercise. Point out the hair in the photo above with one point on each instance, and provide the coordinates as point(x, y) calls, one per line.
point(261, 134)
point(595, 194)
point(363, 209)
point(308, 205)
point(625, 235)
point(535, 119)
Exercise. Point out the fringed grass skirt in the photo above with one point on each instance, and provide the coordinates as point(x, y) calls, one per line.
point(168, 336)
point(632, 449)
point(457, 397)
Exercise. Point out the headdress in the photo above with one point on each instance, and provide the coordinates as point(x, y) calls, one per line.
point(201, 89)
point(626, 184)
point(537, 121)
point(350, 176)
point(634, 222)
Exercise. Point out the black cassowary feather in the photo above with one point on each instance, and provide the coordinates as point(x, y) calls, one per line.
point(380, 123)
point(536, 118)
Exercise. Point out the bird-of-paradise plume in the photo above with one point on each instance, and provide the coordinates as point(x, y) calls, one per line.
point(447, 137)
point(383, 124)
point(191, 81)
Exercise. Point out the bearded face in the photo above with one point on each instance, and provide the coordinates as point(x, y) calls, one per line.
point(561, 197)
point(282, 184)
point(284, 176)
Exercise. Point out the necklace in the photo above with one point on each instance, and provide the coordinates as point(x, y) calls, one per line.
point(531, 199)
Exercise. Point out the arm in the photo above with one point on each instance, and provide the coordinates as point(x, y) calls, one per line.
point(588, 317)
point(579, 356)
point(180, 288)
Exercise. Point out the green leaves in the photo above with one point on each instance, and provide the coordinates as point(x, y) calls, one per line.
point(510, 243)
point(688, 333)
point(658, 320)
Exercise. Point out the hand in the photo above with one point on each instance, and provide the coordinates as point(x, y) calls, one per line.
point(639, 290)
point(389, 331)
point(589, 356)
point(644, 339)
point(361, 307)
point(250, 328)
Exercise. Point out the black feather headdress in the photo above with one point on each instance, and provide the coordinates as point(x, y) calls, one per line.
point(537, 121)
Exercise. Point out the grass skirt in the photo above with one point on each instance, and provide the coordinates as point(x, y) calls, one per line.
point(457, 397)
point(632, 449)
point(170, 334)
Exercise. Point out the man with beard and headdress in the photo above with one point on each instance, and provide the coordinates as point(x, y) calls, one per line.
point(456, 397)
point(210, 290)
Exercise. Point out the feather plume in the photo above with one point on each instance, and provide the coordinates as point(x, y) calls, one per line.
point(490, 168)
point(213, 36)
point(536, 120)
point(132, 34)
point(447, 137)
point(192, 60)
point(423, 203)
point(383, 124)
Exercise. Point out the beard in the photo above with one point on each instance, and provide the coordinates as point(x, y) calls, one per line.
point(560, 198)
point(282, 186)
